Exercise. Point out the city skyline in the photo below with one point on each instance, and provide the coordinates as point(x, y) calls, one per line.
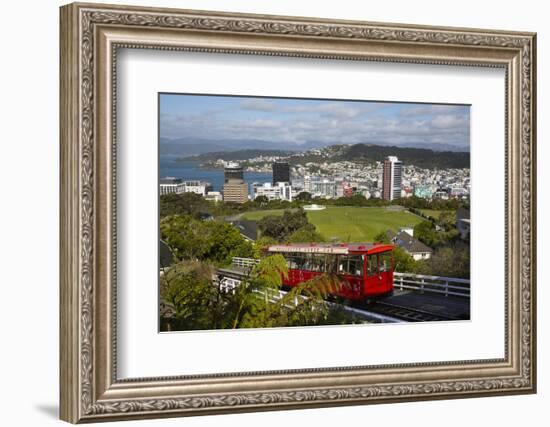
point(299, 123)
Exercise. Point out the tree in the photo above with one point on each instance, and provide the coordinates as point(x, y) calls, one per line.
point(261, 244)
point(184, 236)
point(281, 227)
point(223, 242)
point(304, 196)
point(260, 304)
point(383, 237)
point(450, 261)
point(183, 204)
point(305, 235)
point(261, 200)
point(447, 220)
point(187, 288)
point(214, 241)
point(403, 261)
point(252, 306)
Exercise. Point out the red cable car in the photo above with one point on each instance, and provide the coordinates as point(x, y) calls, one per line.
point(366, 268)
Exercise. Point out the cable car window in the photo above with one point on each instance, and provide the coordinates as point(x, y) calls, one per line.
point(372, 265)
point(308, 262)
point(318, 262)
point(331, 264)
point(385, 262)
point(342, 264)
point(352, 265)
point(294, 261)
point(355, 266)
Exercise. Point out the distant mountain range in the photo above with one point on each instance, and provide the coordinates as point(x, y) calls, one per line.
point(237, 155)
point(362, 153)
point(185, 147)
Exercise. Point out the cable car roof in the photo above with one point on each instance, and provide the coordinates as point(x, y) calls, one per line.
point(331, 248)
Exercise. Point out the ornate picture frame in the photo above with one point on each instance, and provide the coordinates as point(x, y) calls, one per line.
point(90, 37)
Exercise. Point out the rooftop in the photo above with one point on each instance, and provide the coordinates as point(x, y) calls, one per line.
point(410, 244)
point(170, 180)
point(329, 248)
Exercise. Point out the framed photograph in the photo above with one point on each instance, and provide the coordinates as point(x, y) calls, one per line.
point(266, 212)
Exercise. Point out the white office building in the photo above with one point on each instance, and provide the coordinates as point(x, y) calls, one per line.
point(279, 191)
point(324, 188)
point(170, 185)
point(197, 187)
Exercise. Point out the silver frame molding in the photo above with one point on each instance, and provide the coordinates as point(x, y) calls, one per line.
point(90, 37)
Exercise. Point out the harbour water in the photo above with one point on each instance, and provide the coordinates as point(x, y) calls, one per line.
point(190, 170)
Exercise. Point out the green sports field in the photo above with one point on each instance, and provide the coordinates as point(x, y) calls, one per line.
point(352, 224)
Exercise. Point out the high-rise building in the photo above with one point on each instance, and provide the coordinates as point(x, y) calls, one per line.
point(236, 191)
point(392, 177)
point(233, 170)
point(281, 172)
point(307, 183)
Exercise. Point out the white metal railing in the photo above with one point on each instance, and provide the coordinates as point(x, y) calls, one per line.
point(229, 285)
point(417, 282)
point(432, 284)
point(245, 262)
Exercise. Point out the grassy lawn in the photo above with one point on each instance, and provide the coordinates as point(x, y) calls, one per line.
point(353, 224)
point(257, 215)
point(431, 212)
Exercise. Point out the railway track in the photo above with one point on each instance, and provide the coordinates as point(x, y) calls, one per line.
point(406, 314)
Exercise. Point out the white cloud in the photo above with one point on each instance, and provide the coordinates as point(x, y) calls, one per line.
point(258, 104)
point(326, 123)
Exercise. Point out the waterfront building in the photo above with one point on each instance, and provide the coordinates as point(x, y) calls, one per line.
point(392, 177)
point(281, 172)
point(170, 185)
point(197, 187)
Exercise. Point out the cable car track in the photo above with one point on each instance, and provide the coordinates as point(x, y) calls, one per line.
point(406, 314)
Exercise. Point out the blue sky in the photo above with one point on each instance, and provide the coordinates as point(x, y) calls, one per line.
point(296, 121)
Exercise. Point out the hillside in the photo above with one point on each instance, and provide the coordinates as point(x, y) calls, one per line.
point(420, 157)
point(361, 153)
point(237, 155)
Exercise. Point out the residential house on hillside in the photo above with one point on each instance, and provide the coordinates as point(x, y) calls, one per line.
point(412, 246)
